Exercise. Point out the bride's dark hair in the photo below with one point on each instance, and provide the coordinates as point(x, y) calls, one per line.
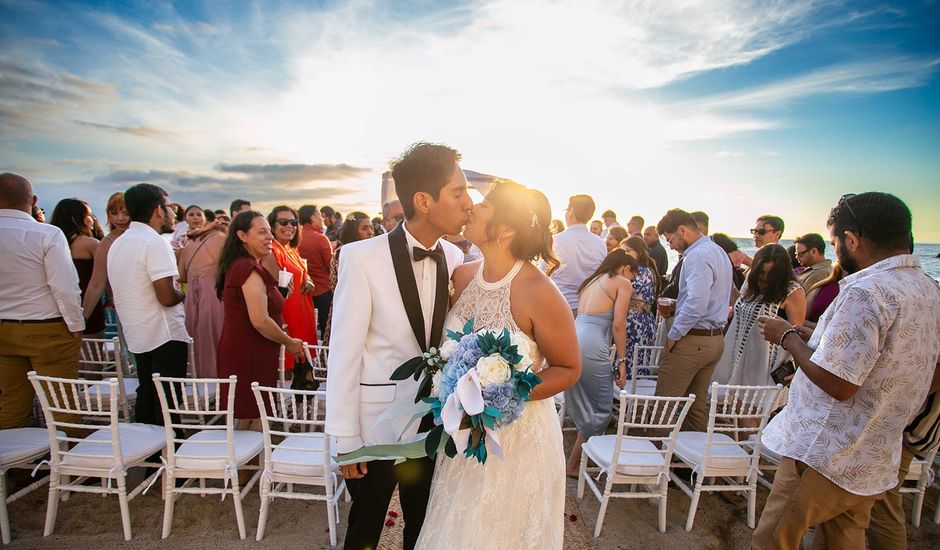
point(527, 212)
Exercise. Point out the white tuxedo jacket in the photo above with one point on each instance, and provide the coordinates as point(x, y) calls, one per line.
point(371, 337)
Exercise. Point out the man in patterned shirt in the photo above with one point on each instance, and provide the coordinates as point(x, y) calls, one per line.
point(862, 376)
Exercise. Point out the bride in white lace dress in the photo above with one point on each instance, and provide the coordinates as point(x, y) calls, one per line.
point(518, 502)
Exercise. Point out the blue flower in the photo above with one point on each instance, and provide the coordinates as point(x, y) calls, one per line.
point(468, 352)
point(502, 397)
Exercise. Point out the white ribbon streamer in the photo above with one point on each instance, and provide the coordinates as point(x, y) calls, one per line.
point(467, 398)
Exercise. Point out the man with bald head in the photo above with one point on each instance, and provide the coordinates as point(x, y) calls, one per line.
point(41, 319)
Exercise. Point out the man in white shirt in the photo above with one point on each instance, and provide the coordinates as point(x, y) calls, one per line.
point(862, 376)
point(579, 251)
point(41, 320)
point(143, 275)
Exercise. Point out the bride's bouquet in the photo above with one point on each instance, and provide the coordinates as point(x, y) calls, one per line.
point(480, 382)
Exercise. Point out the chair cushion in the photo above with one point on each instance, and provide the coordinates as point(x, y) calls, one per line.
point(138, 441)
point(646, 387)
point(690, 447)
point(768, 454)
point(632, 461)
point(22, 444)
point(308, 463)
point(214, 456)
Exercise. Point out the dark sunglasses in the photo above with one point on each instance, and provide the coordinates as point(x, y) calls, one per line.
point(761, 231)
point(285, 222)
point(844, 200)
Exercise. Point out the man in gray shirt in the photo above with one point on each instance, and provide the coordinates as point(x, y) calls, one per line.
point(579, 251)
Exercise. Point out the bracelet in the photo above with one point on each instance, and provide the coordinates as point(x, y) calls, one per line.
point(622, 360)
point(786, 333)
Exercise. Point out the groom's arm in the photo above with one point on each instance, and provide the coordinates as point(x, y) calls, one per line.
point(352, 313)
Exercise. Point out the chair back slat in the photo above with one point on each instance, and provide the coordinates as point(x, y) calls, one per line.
point(101, 358)
point(186, 405)
point(644, 358)
point(318, 356)
point(299, 414)
point(650, 418)
point(71, 406)
point(739, 412)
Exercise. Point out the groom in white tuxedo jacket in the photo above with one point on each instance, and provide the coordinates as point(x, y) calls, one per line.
point(389, 306)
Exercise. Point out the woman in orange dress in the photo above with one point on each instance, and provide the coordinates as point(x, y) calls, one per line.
point(298, 311)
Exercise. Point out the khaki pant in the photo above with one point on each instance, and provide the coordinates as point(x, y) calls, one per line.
point(47, 348)
point(688, 369)
point(887, 530)
point(802, 498)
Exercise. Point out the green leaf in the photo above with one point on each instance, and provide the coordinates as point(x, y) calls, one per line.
point(492, 411)
point(425, 384)
point(407, 368)
point(468, 326)
point(450, 449)
point(433, 440)
point(488, 421)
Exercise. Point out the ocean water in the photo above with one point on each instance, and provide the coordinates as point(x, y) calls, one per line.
point(927, 252)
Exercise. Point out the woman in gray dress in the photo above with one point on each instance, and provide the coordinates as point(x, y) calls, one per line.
point(604, 299)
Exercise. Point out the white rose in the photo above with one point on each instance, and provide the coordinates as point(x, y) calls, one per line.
point(448, 348)
point(522, 348)
point(493, 370)
point(436, 384)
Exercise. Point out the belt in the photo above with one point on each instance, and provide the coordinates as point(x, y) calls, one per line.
point(706, 332)
point(31, 321)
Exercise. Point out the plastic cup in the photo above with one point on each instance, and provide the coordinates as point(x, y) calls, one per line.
point(666, 307)
point(284, 278)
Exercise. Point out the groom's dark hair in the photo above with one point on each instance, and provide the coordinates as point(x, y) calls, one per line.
point(423, 168)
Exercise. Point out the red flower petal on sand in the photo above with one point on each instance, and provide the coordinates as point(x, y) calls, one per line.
point(390, 523)
point(573, 517)
point(393, 513)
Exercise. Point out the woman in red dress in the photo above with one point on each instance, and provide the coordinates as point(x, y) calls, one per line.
point(298, 312)
point(251, 332)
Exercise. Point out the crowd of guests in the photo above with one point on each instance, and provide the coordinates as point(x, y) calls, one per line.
point(237, 285)
point(863, 333)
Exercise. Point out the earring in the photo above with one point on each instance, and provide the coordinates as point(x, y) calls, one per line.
point(498, 245)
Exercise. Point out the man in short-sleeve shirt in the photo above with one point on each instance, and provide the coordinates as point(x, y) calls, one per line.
point(143, 275)
point(862, 377)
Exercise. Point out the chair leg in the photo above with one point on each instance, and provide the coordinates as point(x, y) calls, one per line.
point(752, 504)
point(331, 519)
point(53, 507)
point(4, 516)
point(169, 499)
point(693, 506)
point(125, 511)
point(237, 497)
point(664, 490)
point(265, 501)
point(604, 502)
point(917, 507)
point(582, 473)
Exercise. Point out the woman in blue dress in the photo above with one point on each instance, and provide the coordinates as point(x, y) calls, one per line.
point(641, 319)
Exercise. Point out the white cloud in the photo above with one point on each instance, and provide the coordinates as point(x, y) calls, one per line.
point(729, 154)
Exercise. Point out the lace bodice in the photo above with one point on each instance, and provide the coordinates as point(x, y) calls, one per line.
point(489, 305)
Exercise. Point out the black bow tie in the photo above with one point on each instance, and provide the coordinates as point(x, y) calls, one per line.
point(420, 254)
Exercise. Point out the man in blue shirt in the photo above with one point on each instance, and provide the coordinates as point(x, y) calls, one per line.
point(694, 343)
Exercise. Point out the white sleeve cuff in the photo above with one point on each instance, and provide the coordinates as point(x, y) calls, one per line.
point(348, 444)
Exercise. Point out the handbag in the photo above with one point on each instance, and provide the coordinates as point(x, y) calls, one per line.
point(303, 375)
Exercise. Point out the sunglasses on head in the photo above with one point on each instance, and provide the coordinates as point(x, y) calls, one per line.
point(285, 222)
point(844, 200)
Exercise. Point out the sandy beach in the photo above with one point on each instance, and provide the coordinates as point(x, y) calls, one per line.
point(91, 521)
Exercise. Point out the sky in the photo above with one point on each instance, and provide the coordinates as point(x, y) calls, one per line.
point(735, 108)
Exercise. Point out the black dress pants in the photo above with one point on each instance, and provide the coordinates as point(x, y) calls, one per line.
point(372, 493)
point(168, 359)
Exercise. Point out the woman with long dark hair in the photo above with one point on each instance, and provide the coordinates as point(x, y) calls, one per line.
point(770, 289)
point(604, 299)
point(641, 321)
point(299, 315)
point(251, 332)
point(74, 218)
point(506, 291)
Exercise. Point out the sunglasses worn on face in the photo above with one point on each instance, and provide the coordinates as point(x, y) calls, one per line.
point(760, 231)
point(284, 222)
